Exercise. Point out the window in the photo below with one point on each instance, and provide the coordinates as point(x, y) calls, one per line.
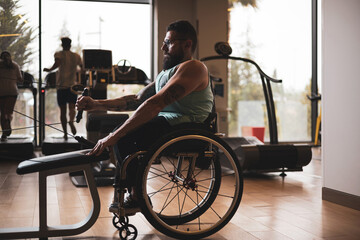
point(120, 27)
point(276, 35)
point(19, 35)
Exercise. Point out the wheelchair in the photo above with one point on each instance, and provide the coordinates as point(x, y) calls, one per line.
point(189, 186)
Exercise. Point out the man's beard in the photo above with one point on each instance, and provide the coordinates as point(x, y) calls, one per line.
point(170, 61)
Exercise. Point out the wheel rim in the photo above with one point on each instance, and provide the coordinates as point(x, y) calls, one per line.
point(201, 204)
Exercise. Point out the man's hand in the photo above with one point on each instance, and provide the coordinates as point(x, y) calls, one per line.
point(103, 144)
point(85, 103)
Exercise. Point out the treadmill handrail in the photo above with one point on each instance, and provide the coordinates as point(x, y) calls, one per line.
point(28, 83)
point(245, 60)
point(314, 97)
point(269, 100)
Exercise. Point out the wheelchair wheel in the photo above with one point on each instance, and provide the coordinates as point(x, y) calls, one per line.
point(186, 200)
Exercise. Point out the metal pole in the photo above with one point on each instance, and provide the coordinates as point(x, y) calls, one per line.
point(41, 112)
point(152, 40)
point(314, 72)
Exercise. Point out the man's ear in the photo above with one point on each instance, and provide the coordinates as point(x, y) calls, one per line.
point(188, 43)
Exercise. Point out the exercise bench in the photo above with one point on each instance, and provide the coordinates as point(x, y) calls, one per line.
point(53, 165)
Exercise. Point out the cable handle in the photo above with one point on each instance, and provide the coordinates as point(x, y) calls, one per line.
point(80, 112)
point(105, 155)
point(85, 142)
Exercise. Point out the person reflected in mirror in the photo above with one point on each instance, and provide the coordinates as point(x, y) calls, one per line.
point(10, 75)
point(68, 64)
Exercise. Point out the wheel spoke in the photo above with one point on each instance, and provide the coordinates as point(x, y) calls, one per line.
point(212, 209)
point(183, 203)
point(170, 200)
point(162, 189)
point(158, 175)
point(191, 198)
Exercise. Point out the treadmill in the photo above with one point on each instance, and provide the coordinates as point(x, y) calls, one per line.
point(53, 144)
point(17, 146)
point(253, 154)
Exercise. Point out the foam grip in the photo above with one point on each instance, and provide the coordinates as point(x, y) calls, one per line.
point(223, 48)
point(79, 113)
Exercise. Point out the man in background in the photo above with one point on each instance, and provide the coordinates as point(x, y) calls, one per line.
point(67, 63)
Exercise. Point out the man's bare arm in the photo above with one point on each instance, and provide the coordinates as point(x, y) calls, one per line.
point(190, 76)
point(56, 64)
point(129, 102)
point(146, 92)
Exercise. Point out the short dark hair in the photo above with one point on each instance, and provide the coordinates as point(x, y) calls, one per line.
point(66, 42)
point(4, 53)
point(186, 30)
point(8, 62)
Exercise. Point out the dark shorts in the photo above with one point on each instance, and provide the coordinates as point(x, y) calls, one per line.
point(65, 96)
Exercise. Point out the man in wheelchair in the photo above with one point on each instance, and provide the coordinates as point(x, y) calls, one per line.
point(181, 93)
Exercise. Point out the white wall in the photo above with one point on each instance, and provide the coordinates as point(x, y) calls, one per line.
point(212, 18)
point(166, 12)
point(341, 95)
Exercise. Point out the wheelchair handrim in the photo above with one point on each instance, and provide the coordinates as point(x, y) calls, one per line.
point(234, 204)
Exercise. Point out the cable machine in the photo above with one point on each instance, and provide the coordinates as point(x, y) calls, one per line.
point(99, 73)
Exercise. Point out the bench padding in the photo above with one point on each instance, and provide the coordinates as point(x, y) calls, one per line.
point(58, 161)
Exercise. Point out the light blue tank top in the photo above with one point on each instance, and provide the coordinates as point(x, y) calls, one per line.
point(194, 107)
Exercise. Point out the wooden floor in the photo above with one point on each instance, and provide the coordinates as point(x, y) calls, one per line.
point(272, 208)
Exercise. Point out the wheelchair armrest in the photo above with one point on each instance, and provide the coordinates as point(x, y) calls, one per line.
point(58, 161)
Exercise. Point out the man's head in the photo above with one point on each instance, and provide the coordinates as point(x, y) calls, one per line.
point(179, 43)
point(66, 43)
point(5, 55)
